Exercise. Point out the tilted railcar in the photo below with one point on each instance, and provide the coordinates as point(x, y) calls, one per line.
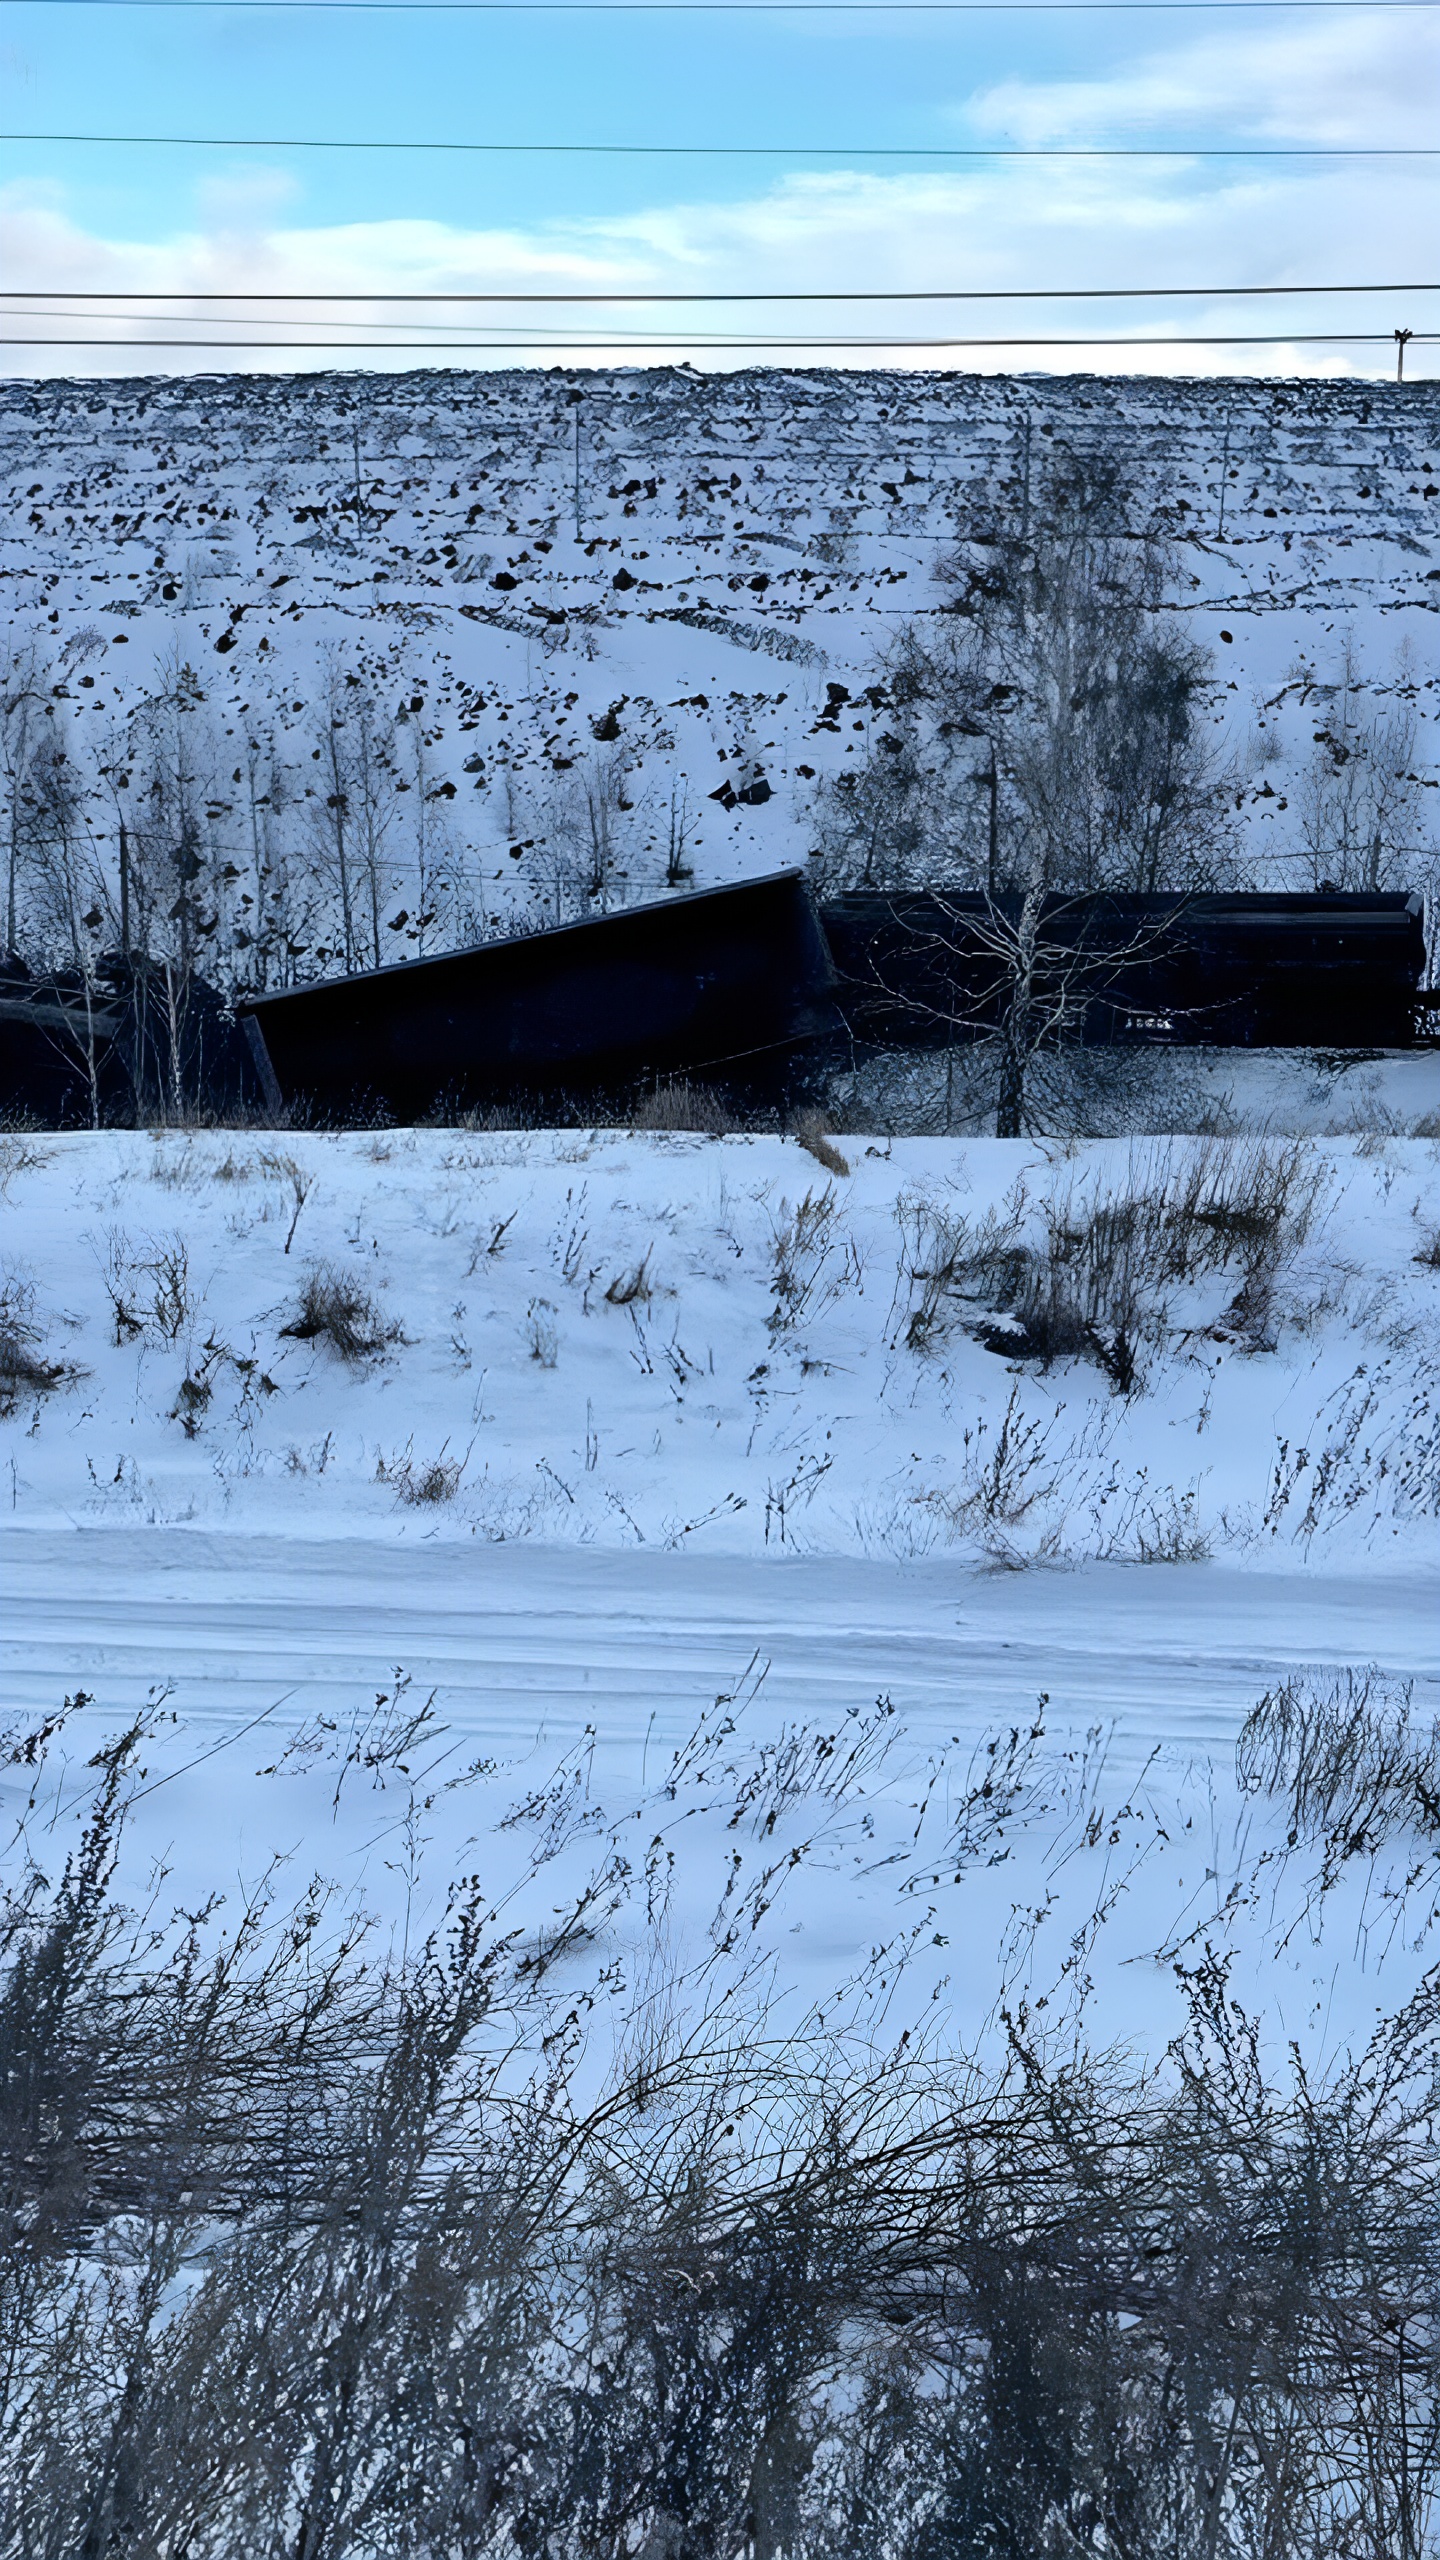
point(1326, 969)
point(726, 984)
point(749, 987)
point(128, 1039)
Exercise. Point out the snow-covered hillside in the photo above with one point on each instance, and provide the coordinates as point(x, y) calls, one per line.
point(650, 603)
point(631, 1423)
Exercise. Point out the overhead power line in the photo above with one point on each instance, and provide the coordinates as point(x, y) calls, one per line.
point(746, 150)
point(622, 295)
point(672, 345)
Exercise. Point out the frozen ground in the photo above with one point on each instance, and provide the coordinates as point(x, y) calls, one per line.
point(1127, 1686)
point(729, 1483)
point(685, 1343)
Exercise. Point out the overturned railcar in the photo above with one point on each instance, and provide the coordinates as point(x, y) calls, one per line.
point(1322, 970)
point(130, 1038)
point(726, 984)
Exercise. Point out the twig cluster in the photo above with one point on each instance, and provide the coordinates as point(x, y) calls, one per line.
point(306, 2253)
point(1087, 1273)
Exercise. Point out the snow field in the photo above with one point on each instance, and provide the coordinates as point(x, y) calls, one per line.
point(721, 1626)
point(686, 1342)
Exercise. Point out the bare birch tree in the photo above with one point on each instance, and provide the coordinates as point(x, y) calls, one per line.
point(1362, 800)
point(1036, 743)
point(24, 704)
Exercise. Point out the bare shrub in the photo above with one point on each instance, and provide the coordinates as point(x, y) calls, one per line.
point(763, 2291)
point(810, 1131)
point(542, 1333)
point(1347, 1759)
point(337, 1309)
point(631, 1288)
point(171, 1302)
point(18, 1155)
point(811, 1261)
point(24, 1368)
point(423, 1482)
point(1429, 1253)
point(117, 1268)
point(680, 1105)
point(149, 1287)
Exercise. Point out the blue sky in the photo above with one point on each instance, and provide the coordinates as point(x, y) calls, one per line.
point(364, 222)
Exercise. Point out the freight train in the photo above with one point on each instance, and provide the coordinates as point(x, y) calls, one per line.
point(1322, 970)
point(754, 988)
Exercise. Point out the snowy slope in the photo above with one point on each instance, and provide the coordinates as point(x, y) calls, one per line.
point(703, 569)
point(715, 1346)
point(969, 1741)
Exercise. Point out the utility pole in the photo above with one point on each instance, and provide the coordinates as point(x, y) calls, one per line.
point(1025, 500)
point(1402, 341)
point(359, 501)
point(577, 469)
point(124, 892)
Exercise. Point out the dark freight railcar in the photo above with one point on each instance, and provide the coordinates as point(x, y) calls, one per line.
point(130, 1040)
point(1252, 970)
point(726, 984)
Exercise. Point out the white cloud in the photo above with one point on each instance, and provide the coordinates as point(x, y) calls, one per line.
point(245, 200)
point(1340, 80)
point(1001, 225)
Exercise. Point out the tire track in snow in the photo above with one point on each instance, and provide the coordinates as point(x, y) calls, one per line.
point(520, 1640)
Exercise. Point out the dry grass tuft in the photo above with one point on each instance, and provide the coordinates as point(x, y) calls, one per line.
point(632, 1288)
point(336, 1309)
point(542, 1333)
point(809, 1130)
point(1351, 1763)
point(685, 1106)
point(445, 2288)
point(433, 1481)
point(812, 1260)
point(24, 1369)
point(1086, 1272)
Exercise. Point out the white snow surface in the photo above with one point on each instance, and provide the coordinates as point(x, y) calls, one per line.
point(689, 1343)
point(692, 564)
point(1032, 1789)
